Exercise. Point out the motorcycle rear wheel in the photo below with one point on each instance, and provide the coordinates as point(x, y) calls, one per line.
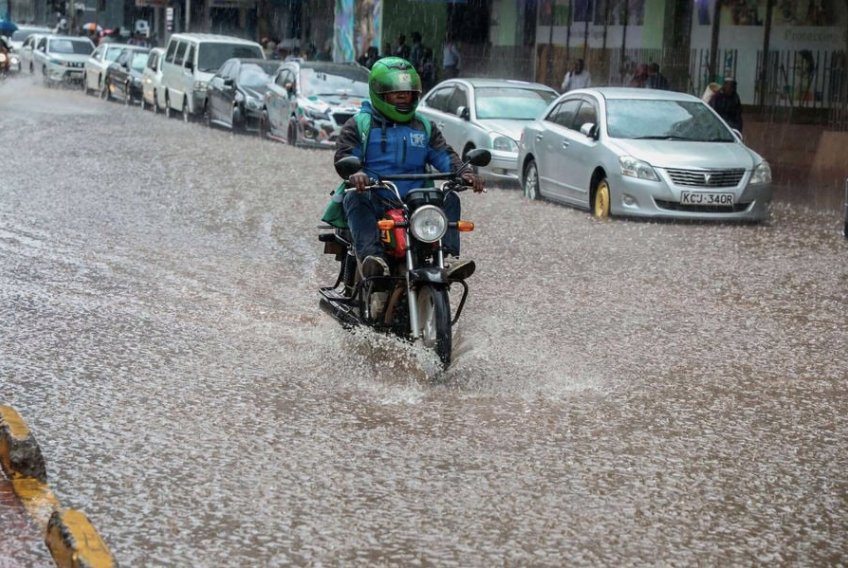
point(434, 319)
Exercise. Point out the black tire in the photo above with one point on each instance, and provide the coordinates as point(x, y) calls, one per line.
point(291, 137)
point(169, 112)
point(127, 95)
point(207, 118)
point(156, 107)
point(262, 130)
point(434, 319)
point(235, 120)
point(85, 84)
point(186, 112)
point(142, 103)
point(531, 181)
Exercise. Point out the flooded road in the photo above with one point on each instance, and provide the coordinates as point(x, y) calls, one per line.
point(623, 393)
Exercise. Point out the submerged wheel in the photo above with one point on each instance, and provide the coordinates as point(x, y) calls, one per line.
point(263, 124)
point(434, 319)
point(127, 95)
point(186, 111)
point(601, 200)
point(169, 112)
point(292, 135)
point(531, 181)
point(156, 107)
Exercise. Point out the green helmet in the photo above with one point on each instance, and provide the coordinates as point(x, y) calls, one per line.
point(390, 75)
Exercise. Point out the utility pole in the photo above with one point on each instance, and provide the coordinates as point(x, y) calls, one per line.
point(714, 40)
point(763, 78)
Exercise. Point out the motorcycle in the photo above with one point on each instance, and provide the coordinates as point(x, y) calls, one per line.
point(412, 301)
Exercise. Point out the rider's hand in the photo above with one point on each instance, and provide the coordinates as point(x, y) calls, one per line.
point(359, 180)
point(475, 181)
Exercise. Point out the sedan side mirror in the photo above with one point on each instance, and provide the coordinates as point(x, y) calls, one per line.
point(348, 166)
point(463, 113)
point(479, 157)
point(229, 82)
point(589, 130)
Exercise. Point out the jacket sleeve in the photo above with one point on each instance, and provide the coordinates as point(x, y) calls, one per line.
point(348, 144)
point(439, 154)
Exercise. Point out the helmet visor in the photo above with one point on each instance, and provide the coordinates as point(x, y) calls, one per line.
point(398, 80)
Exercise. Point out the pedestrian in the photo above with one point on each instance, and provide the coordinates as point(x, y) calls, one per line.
point(451, 59)
point(640, 77)
point(428, 70)
point(369, 58)
point(656, 80)
point(727, 104)
point(577, 78)
point(417, 52)
point(402, 50)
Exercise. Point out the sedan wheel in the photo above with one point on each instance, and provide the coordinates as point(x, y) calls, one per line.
point(156, 108)
point(142, 102)
point(169, 112)
point(531, 181)
point(601, 200)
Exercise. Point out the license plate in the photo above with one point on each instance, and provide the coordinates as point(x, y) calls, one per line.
point(706, 198)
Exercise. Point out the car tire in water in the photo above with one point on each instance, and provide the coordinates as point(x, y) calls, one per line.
point(105, 94)
point(127, 95)
point(434, 319)
point(142, 103)
point(186, 111)
point(531, 181)
point(262, 129)
point(601, 200)
point(156, 107)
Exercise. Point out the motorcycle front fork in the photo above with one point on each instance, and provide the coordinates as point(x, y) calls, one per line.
point(412, 295)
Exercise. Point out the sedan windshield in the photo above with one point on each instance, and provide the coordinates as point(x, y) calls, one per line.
point(664, 120)
point(257, 74)
point(70, 46)
point(511, 102)
point(139, 60)
point(352, 81)
point(212, 55)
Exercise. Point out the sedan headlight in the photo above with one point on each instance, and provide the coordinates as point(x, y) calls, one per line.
point(762, 174)
point(632, 167)
point(428, 224)
point(200, 85)
point(504, 144)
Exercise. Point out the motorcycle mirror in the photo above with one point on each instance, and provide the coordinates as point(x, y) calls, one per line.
point(348, 166)
point(479, 157)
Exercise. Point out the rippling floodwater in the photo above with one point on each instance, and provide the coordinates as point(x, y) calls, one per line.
point(624, 392)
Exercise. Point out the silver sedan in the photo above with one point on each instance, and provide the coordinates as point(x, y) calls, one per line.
point(486, 113)
point(643, 153)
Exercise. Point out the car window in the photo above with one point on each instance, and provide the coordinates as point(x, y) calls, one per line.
point(665, 120)
point(172, 50)
point(210, 56)
point(439, 99)
point(333, 80)
point(123, 57)
point(98, 53)
point(112, 53)
point(152, 59)
point(189, 56)
point(564, 113)
point(41, 43)
point(587, 113)
point(137, 59)
point(180, 54)
point(69, 46)
point(457, 99)
point(511, 102)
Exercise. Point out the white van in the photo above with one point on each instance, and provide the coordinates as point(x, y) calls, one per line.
point(190, 62)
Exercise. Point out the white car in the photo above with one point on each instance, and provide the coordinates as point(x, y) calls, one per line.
point(62, 59)
point(151, 81)
point(486, 113)
point(23, 32)
point(98, 63)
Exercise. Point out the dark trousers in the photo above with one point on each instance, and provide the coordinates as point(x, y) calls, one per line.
point(363, 210)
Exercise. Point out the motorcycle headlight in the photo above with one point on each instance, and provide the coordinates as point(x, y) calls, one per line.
point(632, 167)
point(428, 224)
point(762, 174)
point(504, 144)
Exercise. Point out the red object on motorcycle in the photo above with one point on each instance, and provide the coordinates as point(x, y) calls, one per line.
point(394, 241)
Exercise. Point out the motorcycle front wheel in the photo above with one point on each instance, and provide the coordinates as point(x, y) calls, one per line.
point(434, 320)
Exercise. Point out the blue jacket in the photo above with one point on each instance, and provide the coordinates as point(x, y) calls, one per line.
point(395, 149)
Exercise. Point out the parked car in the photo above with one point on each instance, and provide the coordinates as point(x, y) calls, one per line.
point(62, 59)
point(123, 77)
point(486, 113)
point(190, 62)
point(29, 49)
point(643, 153)
point(99, 62)
point(236, 93)
point(16, 41)
point(308, 101)
point(151, 81)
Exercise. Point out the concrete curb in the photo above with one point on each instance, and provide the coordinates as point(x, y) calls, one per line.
point(70, 537)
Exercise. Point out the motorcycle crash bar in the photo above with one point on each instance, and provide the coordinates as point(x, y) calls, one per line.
point(388, 224)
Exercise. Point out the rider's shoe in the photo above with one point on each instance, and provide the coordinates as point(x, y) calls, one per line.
point(459, 268)
point(374, 266)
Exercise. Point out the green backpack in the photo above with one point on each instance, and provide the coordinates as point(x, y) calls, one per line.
point(334, 211)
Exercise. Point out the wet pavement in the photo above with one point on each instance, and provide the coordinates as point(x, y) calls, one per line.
point(623, 393)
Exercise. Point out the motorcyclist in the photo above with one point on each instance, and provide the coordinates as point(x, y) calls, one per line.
point(397, 144)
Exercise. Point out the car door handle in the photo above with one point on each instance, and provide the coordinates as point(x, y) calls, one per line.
point(564, 145)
